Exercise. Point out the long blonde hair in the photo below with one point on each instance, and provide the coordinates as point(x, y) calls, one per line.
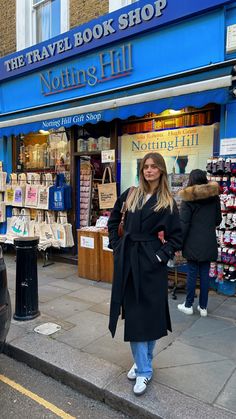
point(136, 199)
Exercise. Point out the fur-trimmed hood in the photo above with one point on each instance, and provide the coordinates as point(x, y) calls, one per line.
point(198, 192)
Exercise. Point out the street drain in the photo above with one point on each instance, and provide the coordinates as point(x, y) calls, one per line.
point(47, 328)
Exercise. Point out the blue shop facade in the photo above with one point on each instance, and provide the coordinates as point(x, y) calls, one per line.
point(153, 76)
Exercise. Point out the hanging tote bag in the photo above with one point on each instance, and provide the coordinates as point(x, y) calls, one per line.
point(18, 197)
point(2, 212)
point(19, 191)
point(60, 195)
point(107, 193)
point(9, 194)
point(31, 193)
point(43, 192)
point(63, 231)
point(3, 178)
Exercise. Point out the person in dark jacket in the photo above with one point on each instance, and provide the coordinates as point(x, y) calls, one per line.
point(140, 285)
point(200, 214)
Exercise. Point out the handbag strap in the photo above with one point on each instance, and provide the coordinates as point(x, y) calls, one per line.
point(124, 205)
point(107, 169)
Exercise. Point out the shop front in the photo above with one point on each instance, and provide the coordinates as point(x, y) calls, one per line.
point(141, 79)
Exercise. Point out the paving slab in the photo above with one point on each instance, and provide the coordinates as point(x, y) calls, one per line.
point(49, 293)
point(90, 326)
point(227, 309)
point(103, 308)
point(68, 284)
point(207, 326)
point(202, 381)
point(116, 352)
point(220, 340)
point(179, 354)
point(227, 398)
point(93, 294)
point(64, 306)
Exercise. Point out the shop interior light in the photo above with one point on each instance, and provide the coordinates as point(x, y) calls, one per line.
point(173, 112)
point(43, 132)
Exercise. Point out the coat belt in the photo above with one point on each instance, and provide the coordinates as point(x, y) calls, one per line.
point(136, 239)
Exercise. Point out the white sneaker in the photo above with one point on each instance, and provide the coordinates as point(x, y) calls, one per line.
point(202, 311)
point(132, 373)
point(141, 385)
point(186, 310)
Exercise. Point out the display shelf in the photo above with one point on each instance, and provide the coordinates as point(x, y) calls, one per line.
point(87, 153)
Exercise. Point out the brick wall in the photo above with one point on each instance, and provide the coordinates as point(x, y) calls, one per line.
point(82, 11)
point(7, 27)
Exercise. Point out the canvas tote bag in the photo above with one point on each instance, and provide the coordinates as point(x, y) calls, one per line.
point(107, 193)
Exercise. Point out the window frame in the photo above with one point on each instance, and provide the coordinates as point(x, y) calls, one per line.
point(26, 21)
point(118, 4)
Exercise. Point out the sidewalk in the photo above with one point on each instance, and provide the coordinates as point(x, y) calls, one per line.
point(195, 366)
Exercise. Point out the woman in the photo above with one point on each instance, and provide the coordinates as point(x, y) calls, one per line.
point(140, 283)
point(199, 215)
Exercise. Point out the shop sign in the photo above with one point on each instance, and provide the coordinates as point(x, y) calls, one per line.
point(118, 25)
point(107, 65)
point(183, 149)
point(67, 121)
point(228, 147)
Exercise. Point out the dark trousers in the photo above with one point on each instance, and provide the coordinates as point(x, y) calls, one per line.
point(195, 268)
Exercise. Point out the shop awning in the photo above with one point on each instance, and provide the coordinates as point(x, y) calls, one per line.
point(197, 94)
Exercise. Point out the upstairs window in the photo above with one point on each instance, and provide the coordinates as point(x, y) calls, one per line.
point(117, 4)
point(46, 19)
point(39, 20)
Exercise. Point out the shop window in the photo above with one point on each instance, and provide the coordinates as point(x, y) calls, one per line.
point(117, 4)
point(39, 20)
point(43, 151)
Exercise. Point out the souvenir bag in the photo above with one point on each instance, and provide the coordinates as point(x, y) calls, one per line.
point(2, 212)
point(3, 178)
point(10, 222)
point(43, 191)
point(36, 223)
point(47, 238)
point(21, 225)
point(63, 231)
point(31, 193)
point(60, 195)
point(19, 191)
point(46, 232)
point(9, 194)
point(107, 191)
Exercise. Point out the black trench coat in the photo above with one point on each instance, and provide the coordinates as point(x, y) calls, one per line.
point(140, 282)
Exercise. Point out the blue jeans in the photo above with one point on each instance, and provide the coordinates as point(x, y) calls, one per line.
point(193, 269)
point(143, 355)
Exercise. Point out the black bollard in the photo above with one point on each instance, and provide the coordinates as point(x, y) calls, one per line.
point(26, 307)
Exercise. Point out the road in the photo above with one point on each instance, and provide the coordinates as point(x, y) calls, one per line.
point(26, 393)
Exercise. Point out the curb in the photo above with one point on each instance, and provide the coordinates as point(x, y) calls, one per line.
point(86, 388)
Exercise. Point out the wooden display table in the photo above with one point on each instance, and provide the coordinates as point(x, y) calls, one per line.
point(106, 258)
point(89, 254)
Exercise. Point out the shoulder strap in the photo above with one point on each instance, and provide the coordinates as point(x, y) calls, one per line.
point(124, 205)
